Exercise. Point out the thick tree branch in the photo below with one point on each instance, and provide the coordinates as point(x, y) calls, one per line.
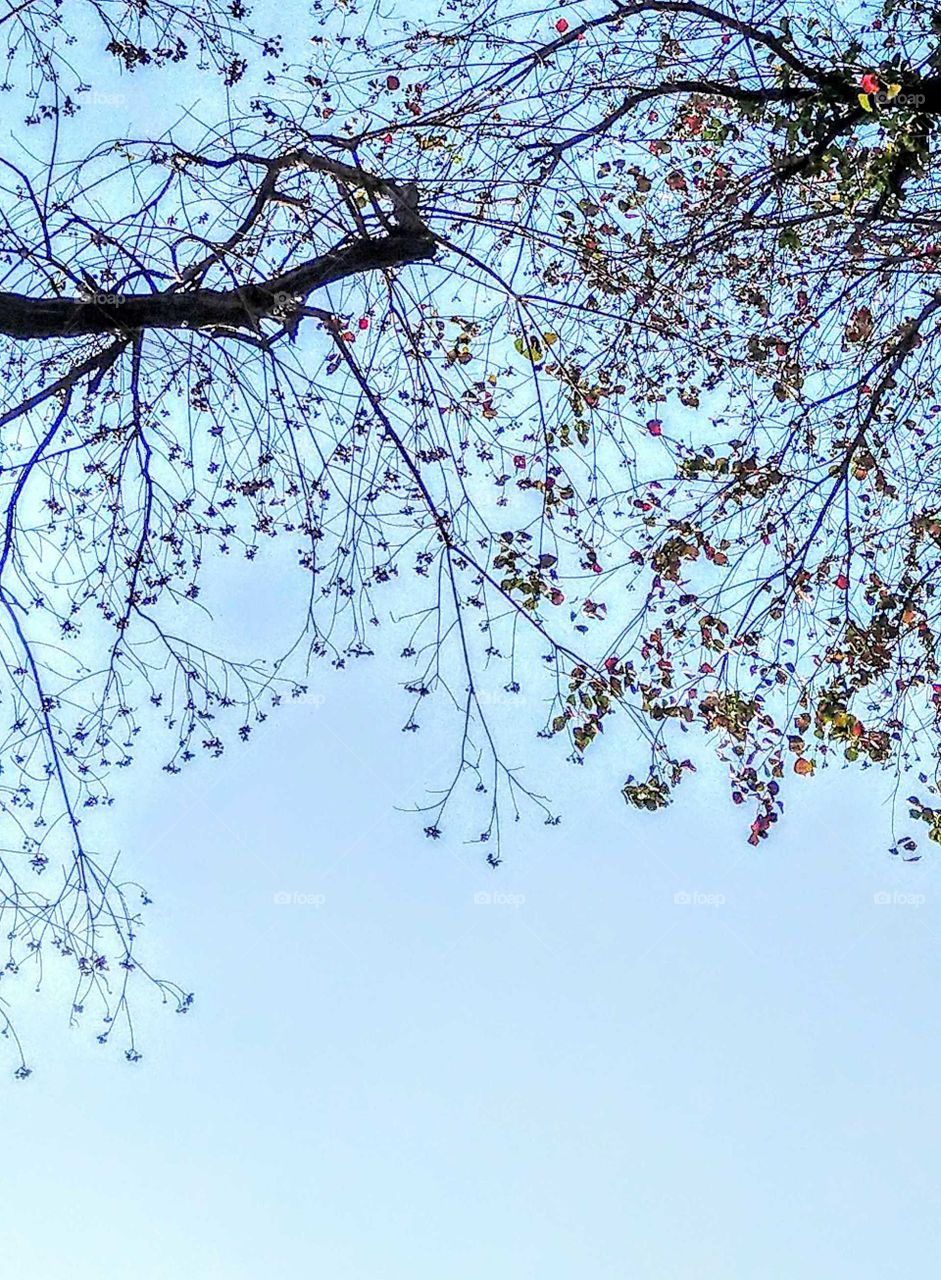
point(239, 308)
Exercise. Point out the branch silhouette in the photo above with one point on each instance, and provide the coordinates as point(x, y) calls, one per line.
point(241, 307)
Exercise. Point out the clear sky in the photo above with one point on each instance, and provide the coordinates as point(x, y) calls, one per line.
point(640, 1050)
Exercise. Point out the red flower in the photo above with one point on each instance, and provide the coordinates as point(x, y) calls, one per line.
point(869, 82)
point(392, 82)
point(596, 568)
point(364, 322)
point(519, 461)
point(562, 26)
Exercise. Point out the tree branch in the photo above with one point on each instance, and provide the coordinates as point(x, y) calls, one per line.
point(239, 308)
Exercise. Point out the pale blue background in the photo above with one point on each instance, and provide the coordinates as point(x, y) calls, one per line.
point(401, 1083)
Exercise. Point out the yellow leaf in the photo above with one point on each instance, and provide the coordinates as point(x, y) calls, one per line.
point(802, 765)
point(550, 338)
point(864, 101)
point(893, 91)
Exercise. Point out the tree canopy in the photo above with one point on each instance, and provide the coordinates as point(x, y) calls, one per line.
point(587, 353)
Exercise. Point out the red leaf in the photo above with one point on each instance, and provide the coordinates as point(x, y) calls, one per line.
point(392, 82)
point(655, 427)
point(562, 26)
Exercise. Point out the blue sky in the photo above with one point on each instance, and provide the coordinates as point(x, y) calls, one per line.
point(654, 1052)
point(639, 1049)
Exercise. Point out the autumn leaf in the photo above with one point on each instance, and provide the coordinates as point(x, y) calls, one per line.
point(532, 349)
point(860, 325)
